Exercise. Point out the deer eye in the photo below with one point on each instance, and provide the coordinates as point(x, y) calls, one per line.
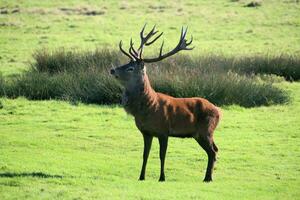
point(129, 69)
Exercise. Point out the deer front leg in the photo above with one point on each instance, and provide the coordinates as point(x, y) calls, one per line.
point(147, 147)
point(163, 144)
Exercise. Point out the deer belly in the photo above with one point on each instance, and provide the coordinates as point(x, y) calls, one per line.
point(182, 126)
point(152, 126)
point(181, 132)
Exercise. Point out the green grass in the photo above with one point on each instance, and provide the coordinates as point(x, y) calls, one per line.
point(223, 26)
point(56, 150)
point(97, 151)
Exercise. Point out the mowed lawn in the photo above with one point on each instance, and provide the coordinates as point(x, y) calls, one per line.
point(53, 150)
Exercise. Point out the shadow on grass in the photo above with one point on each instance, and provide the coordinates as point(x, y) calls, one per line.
point(28, 174)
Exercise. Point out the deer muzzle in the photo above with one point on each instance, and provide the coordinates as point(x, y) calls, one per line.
point(112, 71)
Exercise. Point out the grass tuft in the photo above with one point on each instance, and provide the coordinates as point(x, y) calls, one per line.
point(62, 60)
point(84, 76)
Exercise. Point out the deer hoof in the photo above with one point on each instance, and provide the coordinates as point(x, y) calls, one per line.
point(207, 180)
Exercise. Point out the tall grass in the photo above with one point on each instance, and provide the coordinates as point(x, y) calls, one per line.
point(88, 87)
point(285, 65)
point(70, 61)
point(83, 76)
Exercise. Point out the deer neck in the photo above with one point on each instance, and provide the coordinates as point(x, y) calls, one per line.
point(139, 96)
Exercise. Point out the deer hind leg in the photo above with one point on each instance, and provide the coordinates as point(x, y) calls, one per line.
point(211, 149)
point(215, 147)
point(147, 147)
point(163, 144)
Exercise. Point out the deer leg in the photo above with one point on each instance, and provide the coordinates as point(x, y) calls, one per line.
point(210, 148)
point(147, 147)
point(215, 147)
point(163, 144)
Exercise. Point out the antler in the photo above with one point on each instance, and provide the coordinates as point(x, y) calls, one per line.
point(182, 45)
point(124, 52)
point(144, 40)
point(137, 54)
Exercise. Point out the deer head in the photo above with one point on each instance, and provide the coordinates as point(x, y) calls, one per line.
point(134, 70)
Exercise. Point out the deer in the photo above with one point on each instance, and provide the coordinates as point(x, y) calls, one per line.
point(160, 115)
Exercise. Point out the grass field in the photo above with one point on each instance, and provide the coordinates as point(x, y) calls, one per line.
point(225, 26)
point(84, 152)
point(56, 150)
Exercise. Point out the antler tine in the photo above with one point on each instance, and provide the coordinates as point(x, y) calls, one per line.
point(140, 52)
point(149, 43)
point(190, 42)
point(182, 35)
point(132, 51)
point(161, 48)
point(142, 31)
point(144, 39)
point(186, 43)
point(124, 52)
point(185, 31)
point(151, 33)
point(182, 45)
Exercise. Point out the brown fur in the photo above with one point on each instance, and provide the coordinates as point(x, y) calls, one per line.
point(161, 114)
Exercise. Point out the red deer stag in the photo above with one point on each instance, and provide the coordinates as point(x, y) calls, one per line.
point(159, 115)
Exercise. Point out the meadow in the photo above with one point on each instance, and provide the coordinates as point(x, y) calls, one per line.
point(58, 142)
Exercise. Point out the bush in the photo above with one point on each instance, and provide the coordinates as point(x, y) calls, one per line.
point(84, 76)
point(88, 87)
point(61, 60)
point(222, 89)
point(70, 61)
point(287, 66)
